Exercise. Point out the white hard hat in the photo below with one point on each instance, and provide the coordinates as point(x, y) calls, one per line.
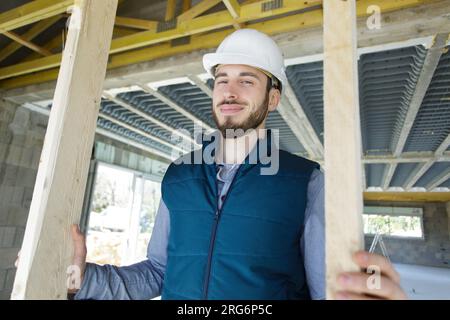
point(249, 47)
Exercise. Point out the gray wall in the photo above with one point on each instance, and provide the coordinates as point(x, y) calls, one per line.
point(22, 135)
point(21, 138)
point(434, 250)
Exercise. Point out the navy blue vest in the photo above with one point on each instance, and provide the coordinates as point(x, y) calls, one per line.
point(250, 249)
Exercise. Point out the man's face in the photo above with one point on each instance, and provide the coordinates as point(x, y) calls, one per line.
point(240, 98)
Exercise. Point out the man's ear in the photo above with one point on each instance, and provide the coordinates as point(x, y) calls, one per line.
point(274, 99)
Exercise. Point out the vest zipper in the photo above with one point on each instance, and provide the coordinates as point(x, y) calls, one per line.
point(213, 237)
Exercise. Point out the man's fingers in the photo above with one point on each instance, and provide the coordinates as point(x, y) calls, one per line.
point(359, 283)
point(365, 260)
point(79, 241)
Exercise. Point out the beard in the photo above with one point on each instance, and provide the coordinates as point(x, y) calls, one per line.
point(230, 129)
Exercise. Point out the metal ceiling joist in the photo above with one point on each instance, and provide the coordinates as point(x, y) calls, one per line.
point(407, 196)
point(420, 170)
point(197, 10)
point(136, 23)
point(202, 85)
point(148, 117)
point(437, 181)
point(175, 106)
point(429, 66)
point(25, 42)
point(300, 125)
point(141, 132)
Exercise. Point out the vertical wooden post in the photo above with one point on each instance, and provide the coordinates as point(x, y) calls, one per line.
point(58, 193)
point(171, 9)
point(343, 192)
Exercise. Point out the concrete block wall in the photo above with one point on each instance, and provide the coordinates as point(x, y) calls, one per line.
point(21, 138)
point(433, 250)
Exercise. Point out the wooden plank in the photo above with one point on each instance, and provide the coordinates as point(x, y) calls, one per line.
point(170, 9)
point(343, 192)
point(407, 196)
point(136, 23)
point(29, 35)
point(59, 190)
point(197, 10)
point(30, 45)
point(32, 12)
point(207, 23)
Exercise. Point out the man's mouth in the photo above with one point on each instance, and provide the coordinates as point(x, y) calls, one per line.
point(229, 109)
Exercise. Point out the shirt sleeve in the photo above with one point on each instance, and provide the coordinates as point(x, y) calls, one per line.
point(138, 281)
point(312, 242)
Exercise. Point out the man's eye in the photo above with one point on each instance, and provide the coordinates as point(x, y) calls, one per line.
point(247, 82)
point(221, 81)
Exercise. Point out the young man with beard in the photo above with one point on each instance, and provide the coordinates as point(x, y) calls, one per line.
point(223, 229)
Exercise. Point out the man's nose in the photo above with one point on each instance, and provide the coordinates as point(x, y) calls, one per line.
point(230, 92)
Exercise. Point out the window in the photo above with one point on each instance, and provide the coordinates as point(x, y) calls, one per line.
point(123, 210)
point(393, 222)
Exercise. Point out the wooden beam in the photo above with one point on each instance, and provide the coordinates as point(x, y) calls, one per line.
point(298, 35)
point(35, 30)
point(186, 5)
point(207, 23)
point(55, 44)
point(343, 192)
point(197, 10)
point(30, 45)
point(170, 9)
point(233, 7)
point(136, 23)
point(407, 196)
point(58, 194)
point(31, 12)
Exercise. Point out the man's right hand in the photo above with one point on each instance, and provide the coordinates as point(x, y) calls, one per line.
point(80, 251)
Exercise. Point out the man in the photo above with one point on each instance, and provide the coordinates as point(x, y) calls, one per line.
point(225, 230)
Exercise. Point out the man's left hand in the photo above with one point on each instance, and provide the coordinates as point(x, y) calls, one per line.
point(355, 285)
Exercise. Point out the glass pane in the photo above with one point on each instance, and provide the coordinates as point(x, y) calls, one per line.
point(150, 203)
point(399, 226)
point(109, 220)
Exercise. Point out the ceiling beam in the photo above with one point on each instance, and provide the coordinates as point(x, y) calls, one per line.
point(294, 114)
point(32, 12)
point(148, 117)
point(197, 10)
point(423, 21)
point(24, 42)
point(170, 9)
point(420, 170)
point(233, 7)
point(35, 30)
point(430, 64)
point(141, 132)
point(440, 179)
point(175, 106)
point(133, 143)
point(407, 196)
point(136, 23)
point(201, 84)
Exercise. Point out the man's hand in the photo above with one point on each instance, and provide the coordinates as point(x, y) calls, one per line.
point(80, 252)
point(356, 285)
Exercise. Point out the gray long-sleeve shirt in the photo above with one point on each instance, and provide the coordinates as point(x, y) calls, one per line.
point(144, 280)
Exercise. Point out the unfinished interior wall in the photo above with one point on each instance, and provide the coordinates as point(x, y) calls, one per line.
point(21, 138)
point(433, 250)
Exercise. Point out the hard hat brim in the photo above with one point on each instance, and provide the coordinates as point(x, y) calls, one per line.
point(210, 60)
